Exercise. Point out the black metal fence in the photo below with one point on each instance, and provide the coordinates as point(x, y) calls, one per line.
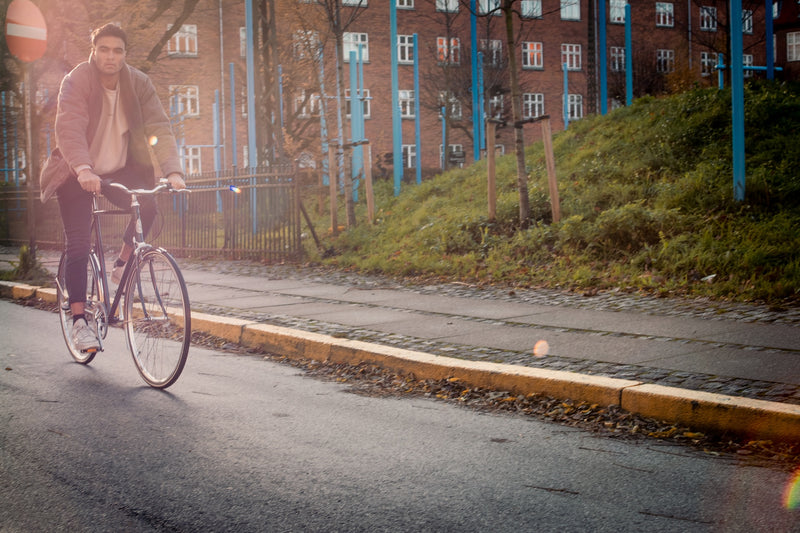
point(252, 213)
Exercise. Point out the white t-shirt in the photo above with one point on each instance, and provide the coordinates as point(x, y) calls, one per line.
point(109, 149)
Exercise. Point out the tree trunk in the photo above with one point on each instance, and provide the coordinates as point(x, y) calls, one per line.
point(516, 112)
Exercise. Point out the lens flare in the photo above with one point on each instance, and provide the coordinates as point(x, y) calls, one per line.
point(791, 495)
point(541, 348)
point(235, 189)
point(153, 140)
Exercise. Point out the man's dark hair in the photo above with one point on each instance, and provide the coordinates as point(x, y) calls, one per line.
point(109, 30)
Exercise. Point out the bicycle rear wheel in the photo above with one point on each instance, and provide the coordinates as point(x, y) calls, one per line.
point(157, 318)
point(94, 308)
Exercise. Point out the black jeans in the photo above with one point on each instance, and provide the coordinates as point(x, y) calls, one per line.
point(76, 214)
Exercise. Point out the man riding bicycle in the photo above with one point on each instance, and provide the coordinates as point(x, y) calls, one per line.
point(109, 120)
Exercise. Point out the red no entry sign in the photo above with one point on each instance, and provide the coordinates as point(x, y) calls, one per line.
point(26, 31)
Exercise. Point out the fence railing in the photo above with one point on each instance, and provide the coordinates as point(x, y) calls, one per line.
point(252, 213)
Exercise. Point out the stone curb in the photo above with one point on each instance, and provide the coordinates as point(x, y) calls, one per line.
point(702, 411)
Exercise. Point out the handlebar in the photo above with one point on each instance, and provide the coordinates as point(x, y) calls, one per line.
point(163, 185)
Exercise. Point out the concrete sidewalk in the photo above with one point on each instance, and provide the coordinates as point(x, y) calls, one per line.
point(698, 352)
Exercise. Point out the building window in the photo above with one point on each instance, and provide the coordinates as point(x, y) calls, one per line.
point(305, 43)
point(575, 106)
point(192, 162)
point(184, 42)
point(355, 3)
point(489, 6)
point(532, 55)
point(492, 52)
point(496, 106)
point(617, 59)
point(532, 105)
point(747, 61)
point(405, 4)
point(616, 11)
point(708, 60)
point(307, 105)
point(184, 100)
point(406, 104)
point(449, 50)
point(747, 21)
point(410, 155)
point(448, 6)
point(405, 49)
point(365, 99)
point(665, 61)
point(454, 105)
point(242, 41)
point(665, 14)
point(352, 42)
point(708, 18)
point(793, 46)
point(571, 55)
point(570, 10)
point(531, 9)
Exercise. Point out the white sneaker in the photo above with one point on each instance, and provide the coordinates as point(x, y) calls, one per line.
point(83, 338)
point(116, 274)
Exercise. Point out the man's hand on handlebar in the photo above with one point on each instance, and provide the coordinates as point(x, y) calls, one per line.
point(176, 181)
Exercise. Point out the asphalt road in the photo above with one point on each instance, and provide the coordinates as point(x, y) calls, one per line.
point(244, 444)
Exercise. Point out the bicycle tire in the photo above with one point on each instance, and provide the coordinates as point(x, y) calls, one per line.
point(94, 308)
point(158, 321)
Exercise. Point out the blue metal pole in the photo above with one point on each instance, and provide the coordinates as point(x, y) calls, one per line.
point(417, 132)
point(323, 123)
point(476, 112)
point(481, 99)
point(769, 30)
point(628, 57)
point(397, 126)
point(217, 146)
point(566, 98)
point(5, 136)
point(356, 110)
point(721, 71)
point(444, 134)
point(252, 154)
point(737, 100)
point(601, 23)
point(280, 94)
point(234, 148)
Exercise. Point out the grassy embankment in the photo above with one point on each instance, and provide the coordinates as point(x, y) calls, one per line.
point(646, 201)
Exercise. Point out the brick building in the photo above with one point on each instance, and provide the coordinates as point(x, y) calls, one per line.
point(674, 46)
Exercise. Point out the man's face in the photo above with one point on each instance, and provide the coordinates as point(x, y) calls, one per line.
point(109, 54)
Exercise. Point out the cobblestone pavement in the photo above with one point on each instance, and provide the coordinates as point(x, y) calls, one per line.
point(607, 301)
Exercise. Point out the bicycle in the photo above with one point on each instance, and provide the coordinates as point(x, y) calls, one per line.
point(156, 314)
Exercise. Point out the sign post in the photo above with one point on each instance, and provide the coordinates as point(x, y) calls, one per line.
point(26, 37)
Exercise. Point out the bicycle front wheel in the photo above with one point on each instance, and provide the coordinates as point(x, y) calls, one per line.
point(94, 309)
point(157, 318)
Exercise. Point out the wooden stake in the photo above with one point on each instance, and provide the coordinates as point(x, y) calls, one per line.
point(547, 139)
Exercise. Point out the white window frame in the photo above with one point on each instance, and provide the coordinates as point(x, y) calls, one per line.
point(489, 6)
point(350, 43)
point(406, 103)
point(616, 58)
point(665, 15)
point(242, 41)
point(532, 105)
point(307, 108)
point(447, 6)
point(405, 49)
point(708, 18)
point(708, 60)
point(492, 52)
point(532, 55)
point(187, 98)
point(571, 55)
point(665, 60)
point(531, 9)
point(616, 11)
point(366, 101)
point(747, 21)
point(184, 42)
point(747, 61)
point(793, 46)
point(496, 106)
point(570, 10)
point(305, 43)
point(448, 50)
point(192, 159)
point(409, 155)
point(405, 4)
point(575, 103)
point(354, 3)
point(454, 104)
